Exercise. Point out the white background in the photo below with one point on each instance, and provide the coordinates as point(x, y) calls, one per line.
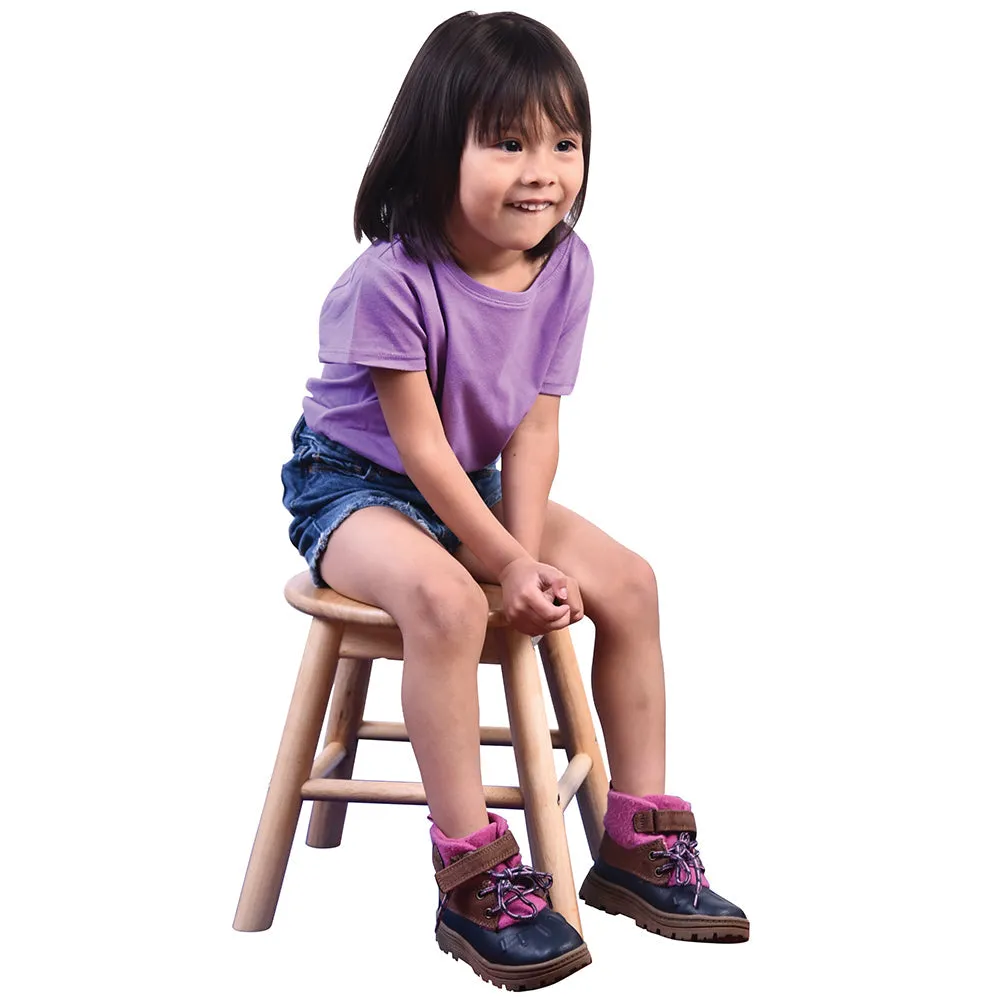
point(787, 404)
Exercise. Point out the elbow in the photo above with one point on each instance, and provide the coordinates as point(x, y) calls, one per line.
point(427, 451)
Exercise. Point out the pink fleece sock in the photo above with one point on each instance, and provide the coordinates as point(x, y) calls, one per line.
point(452, 848)
point(618, 822)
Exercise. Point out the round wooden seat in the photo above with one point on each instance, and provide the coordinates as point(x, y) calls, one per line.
point(322, 602)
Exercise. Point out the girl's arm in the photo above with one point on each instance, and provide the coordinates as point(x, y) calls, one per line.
point(414, 424)
point(528, 467)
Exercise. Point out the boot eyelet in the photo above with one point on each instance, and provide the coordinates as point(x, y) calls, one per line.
point(658, 872)
point(652, 857)
point(481, 893)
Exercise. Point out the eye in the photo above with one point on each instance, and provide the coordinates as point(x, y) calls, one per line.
point(517, 142)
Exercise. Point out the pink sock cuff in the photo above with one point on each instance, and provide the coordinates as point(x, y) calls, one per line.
point(618, 819)
point(454, 847)
point(673, 802)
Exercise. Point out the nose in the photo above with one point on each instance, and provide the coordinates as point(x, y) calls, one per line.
point(538, 167)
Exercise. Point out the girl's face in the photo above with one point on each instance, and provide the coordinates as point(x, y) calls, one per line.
point(493, 177)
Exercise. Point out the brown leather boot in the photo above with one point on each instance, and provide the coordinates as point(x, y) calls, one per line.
point(494, 915)
point(648, 867)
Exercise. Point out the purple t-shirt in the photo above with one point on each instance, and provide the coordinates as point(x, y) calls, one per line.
point(488, 353)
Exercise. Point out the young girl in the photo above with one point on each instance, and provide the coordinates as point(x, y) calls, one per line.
point(446, 345)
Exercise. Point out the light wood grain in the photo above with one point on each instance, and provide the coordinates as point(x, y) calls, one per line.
point(347, 707)
point(327, 761)
point(576, 726)
point(578, 769)
point(536, 773)
point(403, 793)
point(273, 843)
point(489, 736)
point(322, 602)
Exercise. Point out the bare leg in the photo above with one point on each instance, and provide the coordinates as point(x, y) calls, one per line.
point(628, 686)
point(441, 711)
point(381, 557)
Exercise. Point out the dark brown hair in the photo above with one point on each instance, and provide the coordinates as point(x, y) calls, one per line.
point(483, 70)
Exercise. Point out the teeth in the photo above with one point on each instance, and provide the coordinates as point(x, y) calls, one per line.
point(532, 208)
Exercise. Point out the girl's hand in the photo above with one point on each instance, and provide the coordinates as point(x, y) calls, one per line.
point(530, 592)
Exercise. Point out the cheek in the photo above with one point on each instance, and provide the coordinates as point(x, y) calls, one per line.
point(468, 198)
point(481, 197)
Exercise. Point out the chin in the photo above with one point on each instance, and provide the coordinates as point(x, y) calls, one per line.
point(527, 244)
point(528, 241)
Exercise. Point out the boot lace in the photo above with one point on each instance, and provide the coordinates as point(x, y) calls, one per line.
point(516, 882)
point(685, 862)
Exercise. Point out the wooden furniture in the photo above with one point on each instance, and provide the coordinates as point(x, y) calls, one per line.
point(344, 638)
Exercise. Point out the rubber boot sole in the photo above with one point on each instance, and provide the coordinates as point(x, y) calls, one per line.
point(612, 898)
point(513, 977)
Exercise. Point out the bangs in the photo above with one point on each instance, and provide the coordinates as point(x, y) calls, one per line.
point(523, 98)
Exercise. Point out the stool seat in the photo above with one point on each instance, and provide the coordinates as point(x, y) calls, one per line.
point(345, 637)
point(366, 627)
point(322, 602)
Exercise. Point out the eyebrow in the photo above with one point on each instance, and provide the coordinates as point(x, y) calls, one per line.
point(516, 127)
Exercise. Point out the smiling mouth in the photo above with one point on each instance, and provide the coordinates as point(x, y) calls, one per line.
point(530, 209)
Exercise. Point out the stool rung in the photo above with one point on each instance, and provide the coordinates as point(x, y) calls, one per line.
point(569, 784)
point(331, 756)
point(404, 793)
point(489, 736)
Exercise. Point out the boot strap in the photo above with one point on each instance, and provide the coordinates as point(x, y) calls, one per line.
point(476, 862)
point(664, 821)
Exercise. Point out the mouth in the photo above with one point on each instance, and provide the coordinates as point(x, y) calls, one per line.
point(530, 208)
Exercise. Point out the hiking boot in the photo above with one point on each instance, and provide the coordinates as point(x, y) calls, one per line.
point(494, 911)
point(649, 869)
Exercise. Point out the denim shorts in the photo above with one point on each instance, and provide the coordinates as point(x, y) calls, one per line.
point(325, 481)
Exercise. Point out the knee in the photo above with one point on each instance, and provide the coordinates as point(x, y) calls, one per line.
point(449, 609)
point(632, 594)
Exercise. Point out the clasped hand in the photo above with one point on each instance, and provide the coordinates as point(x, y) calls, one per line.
point(530, 590)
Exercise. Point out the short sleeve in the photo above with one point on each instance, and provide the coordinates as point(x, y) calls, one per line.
point(373, 318)
point(561, 375)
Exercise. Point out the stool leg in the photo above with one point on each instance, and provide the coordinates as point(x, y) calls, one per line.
point(536, 771)
point(576, 725)
point(347, 707)
point(273, 843)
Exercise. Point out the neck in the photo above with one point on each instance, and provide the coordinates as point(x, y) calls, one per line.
point(480, 258)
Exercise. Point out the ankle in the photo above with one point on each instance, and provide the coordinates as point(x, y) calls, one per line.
point(460, 826)
point(637, 789)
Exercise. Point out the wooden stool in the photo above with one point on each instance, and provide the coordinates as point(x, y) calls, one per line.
point(344, 638)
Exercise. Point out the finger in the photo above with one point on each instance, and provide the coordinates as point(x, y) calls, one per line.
point(539, 627)
point(563, 617)
point(554, 613)
point(572, 602)
point(552, 619)
point(555, 584)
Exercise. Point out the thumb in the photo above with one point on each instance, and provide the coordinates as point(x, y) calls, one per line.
point(556, 582)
